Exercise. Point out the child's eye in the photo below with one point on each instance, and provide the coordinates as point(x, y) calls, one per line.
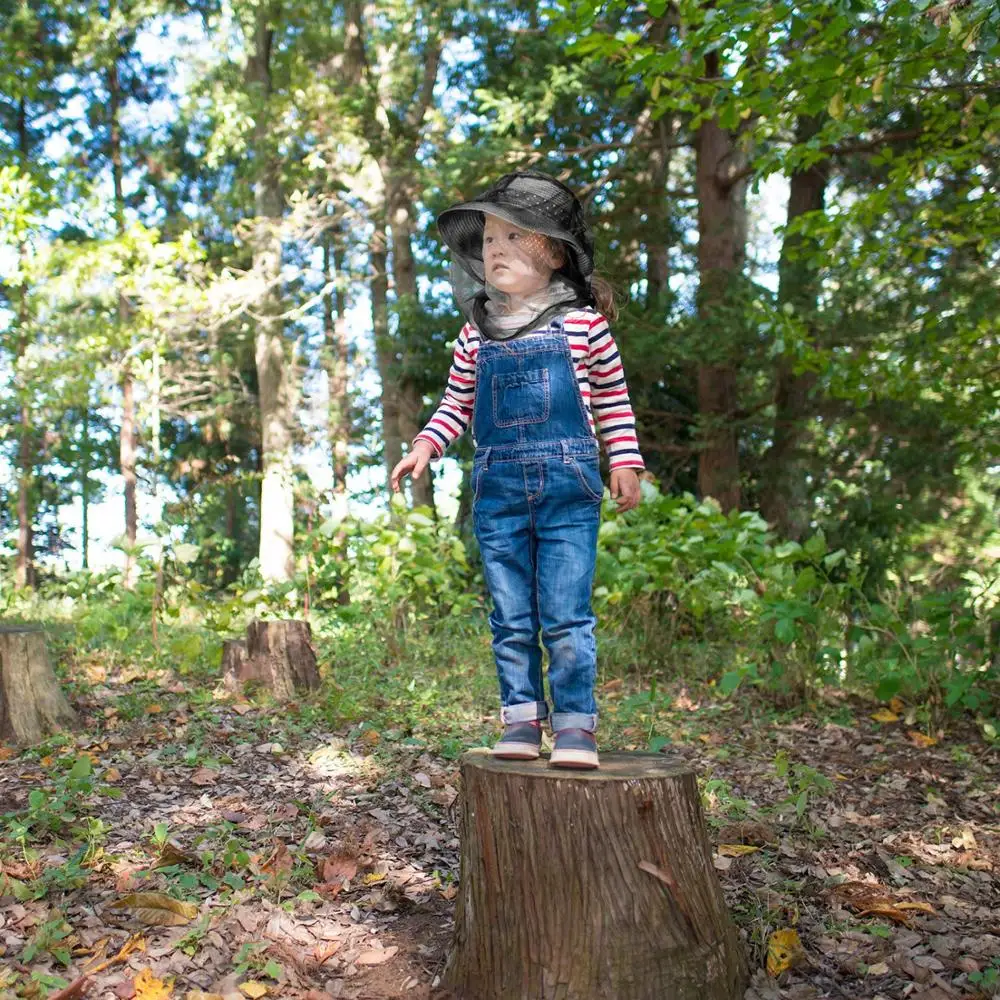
point(512, 236)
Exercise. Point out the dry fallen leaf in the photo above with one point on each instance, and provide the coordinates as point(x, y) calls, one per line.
point(885, 715)
point(154, 709)
point(204, 776)
point(897, 705)
point(7, 752)
point(199, 995)
point(253, 989)
point(324, 952)
point(921, 740)
point(112, 774)
point(376, 956)
point(784, 951)
point(338, 867)
point(157, 909)
point(148, 987)
point(736, 850)
point(280, 862)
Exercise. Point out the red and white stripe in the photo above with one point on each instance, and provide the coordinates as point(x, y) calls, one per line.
point(599, 374)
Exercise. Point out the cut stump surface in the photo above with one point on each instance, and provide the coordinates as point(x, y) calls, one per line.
point(589, 885)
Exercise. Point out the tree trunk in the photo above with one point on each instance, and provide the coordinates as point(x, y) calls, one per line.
point(588, 885)
point(127, 437)
point(127, 457)
point(85, 485)
point(721, 244)
point(404, 273)
point(392, 442)
point(335, 331)
point(280, 655)
point(32, 705)
point(276, 395)
point(784, 488)
point(25, 569)
point(236, 666)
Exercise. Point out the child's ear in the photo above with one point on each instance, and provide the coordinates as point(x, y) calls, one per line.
point(557, 254)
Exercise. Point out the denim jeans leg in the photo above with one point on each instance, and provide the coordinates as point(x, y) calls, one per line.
point(503, 529)
point(566, 527)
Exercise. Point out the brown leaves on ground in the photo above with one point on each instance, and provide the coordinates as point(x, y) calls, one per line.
point(157, 909)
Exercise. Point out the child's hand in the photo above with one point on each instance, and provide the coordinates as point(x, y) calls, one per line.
point(625, 489)
point(415, 462)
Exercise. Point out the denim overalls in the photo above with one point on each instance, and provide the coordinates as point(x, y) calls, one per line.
point(536, 509)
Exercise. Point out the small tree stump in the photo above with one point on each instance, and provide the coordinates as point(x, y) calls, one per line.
point(32, 705)
point(237, 667)
point(589, 885)
point(280, 655)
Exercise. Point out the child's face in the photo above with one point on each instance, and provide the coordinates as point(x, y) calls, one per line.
point(517, 260)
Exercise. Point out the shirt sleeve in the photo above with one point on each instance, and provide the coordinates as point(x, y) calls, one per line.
point(609, 399)
point(453, 416)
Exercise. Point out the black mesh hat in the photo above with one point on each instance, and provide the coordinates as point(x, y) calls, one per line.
point(533, 201)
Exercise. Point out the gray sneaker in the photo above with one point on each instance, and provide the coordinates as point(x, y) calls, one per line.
point(575, 748)
point(520, 741)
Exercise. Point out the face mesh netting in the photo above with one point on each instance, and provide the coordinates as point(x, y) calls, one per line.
point(521, 253)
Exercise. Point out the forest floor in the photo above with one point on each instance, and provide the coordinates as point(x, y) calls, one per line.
point(286, 856)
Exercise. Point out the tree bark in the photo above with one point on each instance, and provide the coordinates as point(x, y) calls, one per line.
point(32, 705)
point(276, 392)
point(335, 335)
point(24, 572)
point(721, 246)
point(784, 488)
point(400, 197)
point(236, 665)
point(588, 885)
point(280, 655)
point(127, 436)
point(392, 442)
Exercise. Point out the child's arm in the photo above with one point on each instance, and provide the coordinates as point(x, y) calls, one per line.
point(613, 415)
point(454, 414)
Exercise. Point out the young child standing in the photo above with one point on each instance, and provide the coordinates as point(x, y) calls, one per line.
point(537, 373)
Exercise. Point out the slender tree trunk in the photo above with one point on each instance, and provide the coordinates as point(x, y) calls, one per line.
point(127, 436)
point(392, 442)
point(658, 248)
point(335, 335)
point(85, 484)
point(404, 273)
point(274, 378)
point(721, 244)
point(25, 568)
point(784, 489)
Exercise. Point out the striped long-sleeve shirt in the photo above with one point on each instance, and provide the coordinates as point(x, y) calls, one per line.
point(599, 374)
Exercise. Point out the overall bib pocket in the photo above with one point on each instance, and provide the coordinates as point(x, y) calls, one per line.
point(521, 397)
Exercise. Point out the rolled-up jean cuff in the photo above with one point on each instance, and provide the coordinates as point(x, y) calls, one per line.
point(527, 712)
point(573, 720)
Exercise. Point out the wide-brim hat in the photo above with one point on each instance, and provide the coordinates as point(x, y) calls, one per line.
point(533, 201)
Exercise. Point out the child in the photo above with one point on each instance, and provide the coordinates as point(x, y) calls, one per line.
point(534, 371)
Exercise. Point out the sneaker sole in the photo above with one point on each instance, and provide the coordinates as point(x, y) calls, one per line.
point(581, 760)
point(516, 751)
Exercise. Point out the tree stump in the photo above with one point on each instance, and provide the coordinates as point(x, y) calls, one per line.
point(280, 656)
point(237, 668)
point(32, 704)
point(589, 885)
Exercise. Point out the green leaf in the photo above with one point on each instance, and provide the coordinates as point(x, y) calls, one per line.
point(730, 681)
point(785, 630)
point(835, 107)
point(82, 767)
